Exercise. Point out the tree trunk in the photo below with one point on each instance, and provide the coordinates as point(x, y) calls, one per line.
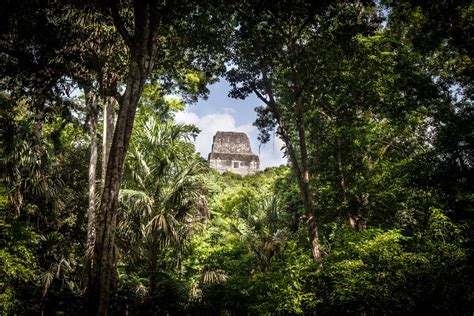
point(298, 112)
point(302, 174)
point(300, 167)
point(91, 100)
point(341, 183)
point(104, 263)
point(108, 133)
point(304, 185)
point(142, 48)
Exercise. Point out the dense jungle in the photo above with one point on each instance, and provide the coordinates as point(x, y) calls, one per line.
point(106, 207)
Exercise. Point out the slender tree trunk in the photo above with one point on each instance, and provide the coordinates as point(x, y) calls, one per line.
point(300, 166)
point(91, 100)
point(341, 183)
point(304, 185)
point(108, 133)
point(107, 138)
point(303, 182)
point(339, 171)
point(298, 111)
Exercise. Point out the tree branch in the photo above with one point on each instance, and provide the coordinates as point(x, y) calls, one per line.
point(119, 24)
point(259, 95)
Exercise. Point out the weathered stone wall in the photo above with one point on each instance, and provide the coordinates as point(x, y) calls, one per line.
point(231, 142)
point(231, 151)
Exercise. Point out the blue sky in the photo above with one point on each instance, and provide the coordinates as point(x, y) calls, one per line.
point(222, 113)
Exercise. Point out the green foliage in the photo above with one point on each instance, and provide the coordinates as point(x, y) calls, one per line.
point(381, 271)
point(19, 265)
point(369, 271)
point(163, 206)
point(43, 194)
point(284, 289)
point(386, 93)
point(389, 272)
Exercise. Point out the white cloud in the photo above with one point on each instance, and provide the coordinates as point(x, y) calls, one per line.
point(229, 110)
point(270, 153)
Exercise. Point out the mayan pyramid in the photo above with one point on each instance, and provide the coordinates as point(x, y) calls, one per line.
point(231, 151)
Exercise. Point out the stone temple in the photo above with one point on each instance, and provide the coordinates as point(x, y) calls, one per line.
point(231, 152)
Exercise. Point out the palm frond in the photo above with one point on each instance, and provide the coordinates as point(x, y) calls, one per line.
point(213, 276)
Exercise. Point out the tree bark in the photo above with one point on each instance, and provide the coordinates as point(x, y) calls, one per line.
point(298, 111)
point(91, 100)
point(304, 184)
point(341, 182)
point(300, 166)
point(302, 174)
point(142, 48)
point(107, 216)
point(108, 133)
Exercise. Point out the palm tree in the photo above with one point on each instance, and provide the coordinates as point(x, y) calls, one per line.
point(163, 196)
point(263, 228)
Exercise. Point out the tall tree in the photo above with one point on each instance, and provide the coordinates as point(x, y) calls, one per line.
point(156, 38)
point(96, 69)
point(142, 45)
point(278, 50)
